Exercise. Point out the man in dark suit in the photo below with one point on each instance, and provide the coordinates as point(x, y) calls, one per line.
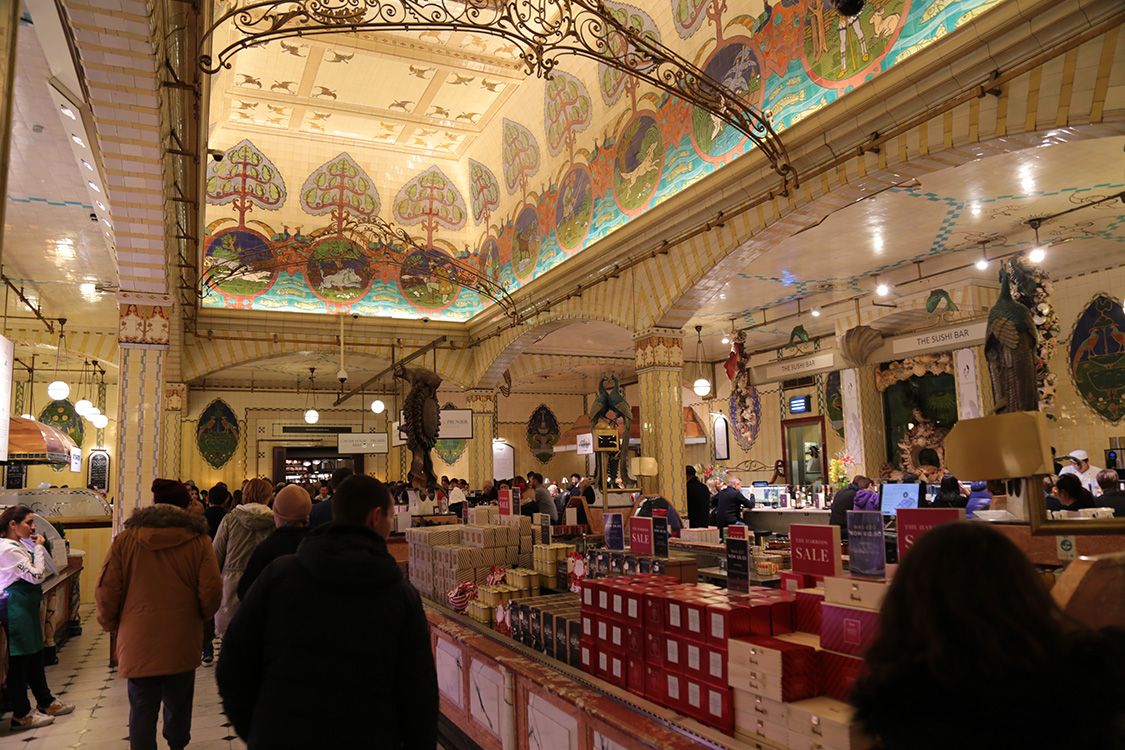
point(729, 504)
point(844, 500)
point(698, 500)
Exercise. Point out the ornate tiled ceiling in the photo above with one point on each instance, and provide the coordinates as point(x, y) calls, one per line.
point(439, 133)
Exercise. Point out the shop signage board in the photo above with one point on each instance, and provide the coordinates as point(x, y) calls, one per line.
point(640, 536)
point(97, 469)
point(956, 337)
point(456, 424)
point(809, 365)
point(867, 551)
point(913, 522)
point(738, 559)
point(544, 528)
point(660, 536)
point(505, 502)
point(360, 442)
point(7, 361)
point(397, 436)
point(816, 549)
point(584, 444)
point(615, 532)
point(313, 429)
point(15, 476)
point(76, 460)
point(503, 460)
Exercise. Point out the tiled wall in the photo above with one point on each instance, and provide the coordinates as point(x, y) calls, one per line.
point(1077, 425)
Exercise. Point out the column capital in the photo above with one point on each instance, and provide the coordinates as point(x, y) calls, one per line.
point(142, 320)
point(658, 347)
point(480, 400)
point(174, 396)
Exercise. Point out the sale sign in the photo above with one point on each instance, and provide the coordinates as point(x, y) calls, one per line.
point(816, 549)
point(640, 536)
point(913, 522)
point(505, 502)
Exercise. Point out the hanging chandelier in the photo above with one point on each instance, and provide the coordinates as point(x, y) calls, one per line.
point(58, 389)
point(312, 416)
point(701, 386)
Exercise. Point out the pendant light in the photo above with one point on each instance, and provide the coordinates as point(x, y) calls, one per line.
point(83, 405)
point(312, 416)
point(30, 391)
point(58, 389)
point(1037, 253)
point(100, 421)
point(94, 413)
point(702, 385)
point(378, 406)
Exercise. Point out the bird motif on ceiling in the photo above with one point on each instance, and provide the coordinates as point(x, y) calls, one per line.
point(431, 34)
point(439, 111)
point(470, 116)
point(314, 127)
point(474, 42)
point(337, 57)
point(293, 49)
point(422, 132)
point(419, 142)
point(275, 120)
point(277, 110)
point(319, 115)
point(510, 50)
point(249, 80)
point(491, 85)
point(388, 126)
point(460, 80)
point(244, 115)
point(421, 72)
point(245, 105)
point(283, 86)
point(323, 91)
point(403, 104)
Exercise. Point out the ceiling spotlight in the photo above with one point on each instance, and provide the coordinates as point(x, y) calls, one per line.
point(67, 111)
point(815, 312)
point(95, 187)
point(78, 140)
point(378, 406)
point(87, 165)
point(982, 264)
point(1037, 255)
point(881, 289)
point(726, 339)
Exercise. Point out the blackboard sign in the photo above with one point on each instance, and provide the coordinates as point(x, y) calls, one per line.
point(97, 470)
point(738, 564)
point(660, 536)
point(16, 476)
point(614, 531)
point(545, 528)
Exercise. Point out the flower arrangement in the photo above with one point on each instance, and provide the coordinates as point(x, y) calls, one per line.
point(714, 470)
point(840, 469)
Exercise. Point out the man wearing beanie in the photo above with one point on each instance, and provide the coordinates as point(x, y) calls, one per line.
point(344, 591)
point(291, 506)
point(159, 582)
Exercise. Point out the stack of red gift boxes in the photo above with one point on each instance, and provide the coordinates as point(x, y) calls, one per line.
point(776, 664)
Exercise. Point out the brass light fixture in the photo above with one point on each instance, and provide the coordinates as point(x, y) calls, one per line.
point(701, 386)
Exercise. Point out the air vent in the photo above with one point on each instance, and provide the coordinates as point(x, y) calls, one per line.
point(803, 382)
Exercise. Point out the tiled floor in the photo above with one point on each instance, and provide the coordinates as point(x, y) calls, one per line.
point(101, 719)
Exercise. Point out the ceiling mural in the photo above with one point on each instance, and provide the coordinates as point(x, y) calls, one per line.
point(453, 110)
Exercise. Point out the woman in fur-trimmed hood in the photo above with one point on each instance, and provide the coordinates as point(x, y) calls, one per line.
point(158, 585)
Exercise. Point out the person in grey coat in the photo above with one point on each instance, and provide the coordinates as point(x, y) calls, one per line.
point(239, 534)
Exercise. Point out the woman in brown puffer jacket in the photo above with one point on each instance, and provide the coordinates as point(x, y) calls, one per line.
point(239, 534)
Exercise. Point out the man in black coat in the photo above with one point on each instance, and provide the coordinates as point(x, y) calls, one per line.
point(331, 645)
point(698, 500)
point(729, 503)
point(843, 501)
point(291, 508)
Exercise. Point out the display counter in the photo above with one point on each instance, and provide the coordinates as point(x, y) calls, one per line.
point(778, 520)
point(503, 695)
point(59, 614)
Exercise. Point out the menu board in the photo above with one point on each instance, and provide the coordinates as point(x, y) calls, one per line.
point(97, 470)
point(16, 476)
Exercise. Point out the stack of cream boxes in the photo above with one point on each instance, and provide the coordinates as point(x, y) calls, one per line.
point(443, 557)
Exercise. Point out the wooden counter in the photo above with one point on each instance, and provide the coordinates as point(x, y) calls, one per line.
point(1043, 550)
point(505, 696)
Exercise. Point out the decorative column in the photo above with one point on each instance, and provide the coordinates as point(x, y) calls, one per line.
point(142, 340)
point(659, 357)
point(175, 396)
point(864, 428)
point(483, 404)
point(9, 30)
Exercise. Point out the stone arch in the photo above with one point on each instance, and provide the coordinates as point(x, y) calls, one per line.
point(497, 354)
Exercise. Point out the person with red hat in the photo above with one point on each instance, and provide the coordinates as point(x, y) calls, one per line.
point(159, 583)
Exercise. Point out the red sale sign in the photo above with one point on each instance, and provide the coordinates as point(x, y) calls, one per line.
point(736, 532)
point(640, 536)
point(913, 522)
point(816, 550)
point(505, 502)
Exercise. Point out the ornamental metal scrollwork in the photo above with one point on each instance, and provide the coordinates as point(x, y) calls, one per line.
point(543, 30)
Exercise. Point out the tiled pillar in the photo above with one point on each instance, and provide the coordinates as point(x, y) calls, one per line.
point(9, 30)
point(483, 405)
point(864, 427)
point(142, 339)
point(659, 356)
point(175, 396)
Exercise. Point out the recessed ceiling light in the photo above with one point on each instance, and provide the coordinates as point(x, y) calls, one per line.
point(78, 140)
point(87, 165)
point(67, 111)
point(88, 289)
point(816, 312)
point(106, 222)
point(100, 205)
point(882, 290)
point(726, 339)
point(95, 187)
point(982, 264)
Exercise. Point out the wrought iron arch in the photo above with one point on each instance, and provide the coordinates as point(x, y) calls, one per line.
point(543, 30)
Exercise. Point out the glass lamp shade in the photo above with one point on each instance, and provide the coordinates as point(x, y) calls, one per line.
point(702, 387)
point(83, 406)
point(92, 412)
point(378, 406)
point(58, 390)
point(312, 416)
point(27, 416)
point(100, 421)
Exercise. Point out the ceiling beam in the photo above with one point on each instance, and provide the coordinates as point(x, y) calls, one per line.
point(379, 375)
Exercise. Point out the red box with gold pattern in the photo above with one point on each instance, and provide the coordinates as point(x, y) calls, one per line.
point(806, 610)
point(838, 673)
point(589, 624)
point(791, 581)
point(635, 641)
point(635, 675)
point(715, 665)
point(847, 630)
point(694, 658)
point(718, 707)
point(674, 655)
point(694, 692)
point(654, 647)
point(655, 602)
point(634, 605)
point(589, 652)
point(656, 686)
point(675, 614)
point(695, 619)
point(726, 620)
point(674, 691)
point(781, 613)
